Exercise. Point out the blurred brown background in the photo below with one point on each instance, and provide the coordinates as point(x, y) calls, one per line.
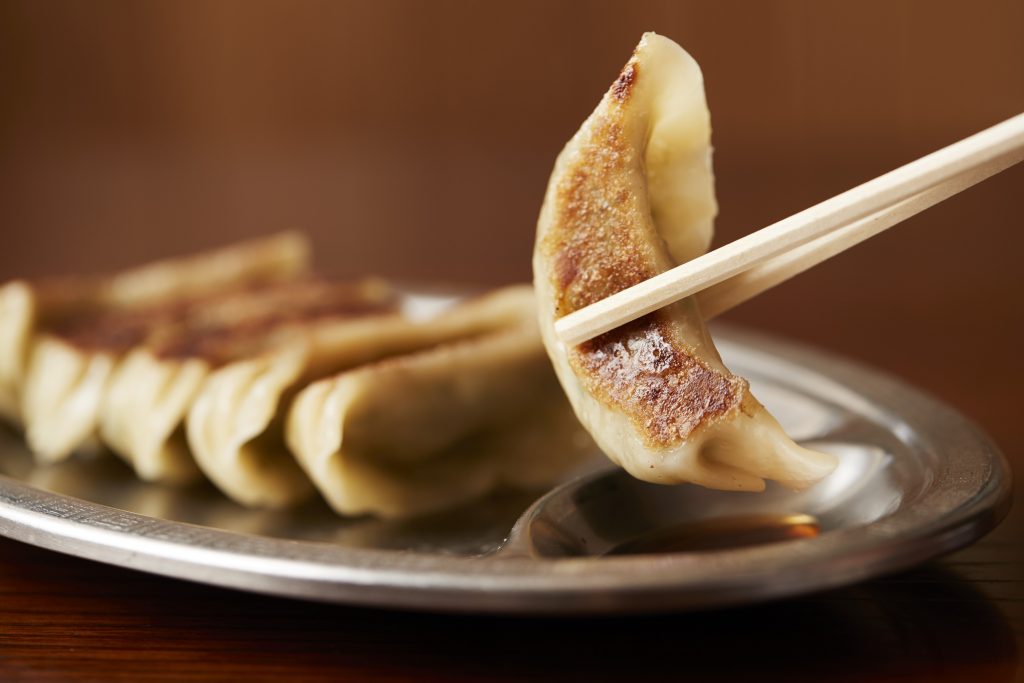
point(414, 139)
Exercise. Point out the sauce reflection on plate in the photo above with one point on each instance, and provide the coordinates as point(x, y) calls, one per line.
point(721, 533)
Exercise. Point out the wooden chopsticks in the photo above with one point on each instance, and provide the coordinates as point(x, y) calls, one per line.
point(742, 269)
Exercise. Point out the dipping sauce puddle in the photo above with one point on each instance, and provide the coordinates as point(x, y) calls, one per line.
point(721, 533)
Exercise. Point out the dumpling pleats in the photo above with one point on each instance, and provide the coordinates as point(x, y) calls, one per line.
point(425, 431)
point(65, 339)
point(236, 426)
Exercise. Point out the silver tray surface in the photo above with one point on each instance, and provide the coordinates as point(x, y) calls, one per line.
point(916, 480)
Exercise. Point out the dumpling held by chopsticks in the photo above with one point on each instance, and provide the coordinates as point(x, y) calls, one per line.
point(631, 196)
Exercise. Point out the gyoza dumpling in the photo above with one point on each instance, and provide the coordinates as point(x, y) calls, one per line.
point(142, 411)
point(631, 196)
point(25, 306)
point(235, 428)
point(61, 342)
point(154, 385)
point(429, 430)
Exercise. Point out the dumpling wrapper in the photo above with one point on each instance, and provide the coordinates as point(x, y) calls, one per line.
point(61, 342)
point(24, 307)
point(235, 426)
point(143, 409)
point(431, 430)
point(153, 387)
point(631, 196)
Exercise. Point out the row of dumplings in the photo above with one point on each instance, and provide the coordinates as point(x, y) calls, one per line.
point(238, 365)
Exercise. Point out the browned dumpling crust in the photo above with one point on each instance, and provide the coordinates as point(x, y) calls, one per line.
point(154, 384)
point(61, 339)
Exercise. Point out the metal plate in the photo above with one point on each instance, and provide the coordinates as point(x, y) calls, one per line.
point(916, 480)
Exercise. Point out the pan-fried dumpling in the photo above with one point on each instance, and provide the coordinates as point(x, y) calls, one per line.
point(631, 196)
point(28, 307)
point(63, 342)
point(25, 306)
point(143, 409)
point(68, 370)
point(235, 429)
point(155, 384)
point(425, 431)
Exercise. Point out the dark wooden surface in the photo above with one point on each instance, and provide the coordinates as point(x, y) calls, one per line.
point(414, 139)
